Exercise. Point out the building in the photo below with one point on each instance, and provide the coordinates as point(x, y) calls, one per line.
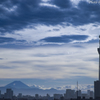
point(20, 95)
point(69, 94)
point(97, 89)
point(84, 95)
point(97, 83)
point(9, 94)
point(57, 96)
point(90, 94)
point(37, 96)
point(0, 94)
point(78, 94)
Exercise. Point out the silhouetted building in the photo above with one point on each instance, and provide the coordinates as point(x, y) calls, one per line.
point(9, 94)
point(36, 96)
point(97, 89)
point(0, 94)
point(57, 96)
point(90, 94)
point(69, 94)
point(85, 95)
point(19, 95)
point(78, 94)
point(97, 83)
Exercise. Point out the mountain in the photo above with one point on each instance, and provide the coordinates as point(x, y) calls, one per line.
point(17, 85)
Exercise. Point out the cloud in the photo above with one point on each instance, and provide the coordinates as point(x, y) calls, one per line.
point(8, 39)
point(93, 59)
point(65, 38)
point(68, 64)
point(62, 3)
point(5, 67)
point(56, 29)
point(5, 39)
point(17, 15)
point(93, 41)
point(82, 87)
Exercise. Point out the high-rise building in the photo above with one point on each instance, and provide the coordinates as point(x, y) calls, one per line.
point(90, 94)
point(97, 83)
point(69, 94)
point(9, 93)
point(0, 94)
point(57, 96)
point(20, 95)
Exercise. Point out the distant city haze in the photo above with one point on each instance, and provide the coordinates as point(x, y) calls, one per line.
point(18, 90)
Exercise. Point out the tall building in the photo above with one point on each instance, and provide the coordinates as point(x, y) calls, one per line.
point(9, 93)
point(0, 94)
point(90, 94)
point(57, 96)
point(69, 94)
point(97, 83)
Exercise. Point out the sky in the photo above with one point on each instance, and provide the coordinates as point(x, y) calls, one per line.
point(49, 43)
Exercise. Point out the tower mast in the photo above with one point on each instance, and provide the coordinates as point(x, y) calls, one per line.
point(97, 83)
point(99, 57)
point(77, 89)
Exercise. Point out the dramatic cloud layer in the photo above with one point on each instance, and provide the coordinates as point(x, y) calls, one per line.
point(16, 15)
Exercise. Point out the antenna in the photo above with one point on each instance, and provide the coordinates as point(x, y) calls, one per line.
point(99, 41)
point(77, 89)
point(99, 57)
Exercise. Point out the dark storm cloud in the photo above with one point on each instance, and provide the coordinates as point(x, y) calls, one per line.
point(62, 3)
point(7, 40)
point(16, 14)
point(65, 38)
point(15, 46)
point(19, 14)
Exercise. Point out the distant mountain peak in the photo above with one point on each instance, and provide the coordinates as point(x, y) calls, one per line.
point(17, 84)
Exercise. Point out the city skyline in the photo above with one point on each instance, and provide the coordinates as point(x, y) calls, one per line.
point(66, 96)
point(49, 43)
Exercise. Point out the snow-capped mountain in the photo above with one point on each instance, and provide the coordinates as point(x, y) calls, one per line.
point(17, 84)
